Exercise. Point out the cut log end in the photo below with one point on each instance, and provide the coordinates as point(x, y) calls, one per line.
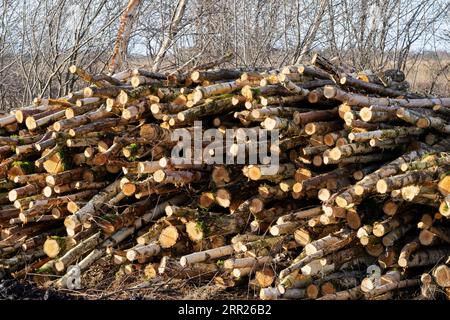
point(442, 276)
point(254, 173)
point(329, 92)
point(159, 176)
point(168, 237)
point(341, 202)
point(51, 248)
point(194, 231)
point(382, 186)
point(312, 291)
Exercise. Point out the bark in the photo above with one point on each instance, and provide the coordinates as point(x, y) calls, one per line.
point(203, 256)
point(385, 134)
point(373, 87)
point(406, 179)
point(90, 209)
point(331, 92)
point(73, 254)
point(442, 276)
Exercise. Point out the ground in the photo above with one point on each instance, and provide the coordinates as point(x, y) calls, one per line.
point(105, 281)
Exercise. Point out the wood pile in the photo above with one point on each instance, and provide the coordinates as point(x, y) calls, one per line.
point(358, 208)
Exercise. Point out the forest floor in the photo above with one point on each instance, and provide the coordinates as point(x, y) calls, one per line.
point(105, 281)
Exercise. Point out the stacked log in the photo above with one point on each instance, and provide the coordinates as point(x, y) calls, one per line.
point(361, 185)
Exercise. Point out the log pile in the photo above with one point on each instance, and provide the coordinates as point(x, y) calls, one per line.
point(357, 209)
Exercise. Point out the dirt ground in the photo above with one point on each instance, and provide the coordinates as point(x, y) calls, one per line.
point(106, 281)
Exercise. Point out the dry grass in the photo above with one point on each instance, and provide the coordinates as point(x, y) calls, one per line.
point(430, 76)
point(106, 281)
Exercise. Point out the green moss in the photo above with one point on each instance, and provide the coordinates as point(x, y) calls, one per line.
point(203, 227)
point(66, 158)
point(109, 217)
point(133, 147)
point(19, 138)
point(57, 238)
point(220, 262)
point(202, 211)
point(26, 166)
point(45, 269)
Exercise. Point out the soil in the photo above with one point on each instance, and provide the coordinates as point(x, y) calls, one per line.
point(108, 282)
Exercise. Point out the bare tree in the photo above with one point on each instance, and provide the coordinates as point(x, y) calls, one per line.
point(40, 39)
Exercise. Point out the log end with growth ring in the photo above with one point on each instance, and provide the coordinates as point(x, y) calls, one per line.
point(180, 116)
point(122, 98)
point(220, 175)
point(312, 291)
point(379, 230)
point(423, 123)
point(223, 198)
point(150, 271)
point(19, 116)
point(57, 126)
point(310, 128)
point(12, 195)
point(351, 136)
point(341, 202)
point(30, 122)
point(130, 112)
point(335, 154)
point(100, 159)
point(183, 261)
point(168, 237)
point(324, 194)
point(256, 205)
point(197, 96)
point(353, 219)
point(329, 92)
point(73, 69)
point(51, 248)
point(254, 173)
point(444, 186)
point(390, 208)
point(132, 255)
point(365, 115)
point(48, 191)
point(427, 238)
point(359, 190)
point(313, 97)
point(60, 266)
point(275, 230)
point(367, 284)
point(196, 76)
point(269, 293)
point(382, 186)
point(71, 222)
point(195, 231)
point(403, 262)
point(88, 92)
point(442, 276)
point(110, 103)
point(270, 123)
point(206, 199)
point(327, 288)
point(159, 176)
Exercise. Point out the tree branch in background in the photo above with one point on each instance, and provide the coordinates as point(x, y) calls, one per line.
point(123, 35)
point(172, 32)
